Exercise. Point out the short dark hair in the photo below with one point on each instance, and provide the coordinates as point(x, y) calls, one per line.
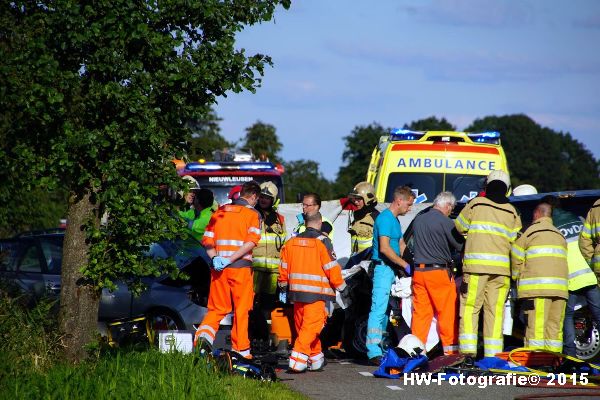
point(313, 219)
point(204, 198)
point(316, 198)
point(250, 188)
point(404, 192)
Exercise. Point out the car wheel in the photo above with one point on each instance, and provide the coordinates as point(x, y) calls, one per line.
point(162, 320)
point(355, 337)
point(588, 342)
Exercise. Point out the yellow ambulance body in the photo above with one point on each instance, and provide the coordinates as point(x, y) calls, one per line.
point(434, 161)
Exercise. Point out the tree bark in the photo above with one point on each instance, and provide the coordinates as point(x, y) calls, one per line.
point(79, 301)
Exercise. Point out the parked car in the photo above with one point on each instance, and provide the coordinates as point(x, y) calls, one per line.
point(32, 262)
point(578, 202)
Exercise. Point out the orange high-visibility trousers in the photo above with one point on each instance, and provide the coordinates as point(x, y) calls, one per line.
point(309, 319)
point(434, 292)
point(229, 289)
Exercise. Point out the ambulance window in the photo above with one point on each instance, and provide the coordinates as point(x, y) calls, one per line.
point(426, 183)
point(464, 185)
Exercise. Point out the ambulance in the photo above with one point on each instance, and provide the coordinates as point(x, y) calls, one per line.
point(434, 161)
point(230, 169)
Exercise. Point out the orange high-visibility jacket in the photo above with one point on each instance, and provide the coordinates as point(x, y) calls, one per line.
point(230, 227)
point(309, 270)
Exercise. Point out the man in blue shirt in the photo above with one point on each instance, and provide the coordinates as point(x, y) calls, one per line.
point(388, 245)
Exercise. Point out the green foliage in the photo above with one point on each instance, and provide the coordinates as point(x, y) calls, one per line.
point(145, 375)
point(358, 148)
point(32, 210)
point(29, 339)
point(95, 98)
point(430, 124)
point(206, 137)
point(303, 176)
point(262, 139)
point(540, 156)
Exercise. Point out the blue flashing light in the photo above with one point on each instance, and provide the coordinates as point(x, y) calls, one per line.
point(214, 166)
point(490, 134)
point(257, 165)
point(405, 134)
point(208, 166)
point(490, 137)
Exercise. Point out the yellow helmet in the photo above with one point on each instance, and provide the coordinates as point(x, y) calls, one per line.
point(269, 189)
point(365, 191)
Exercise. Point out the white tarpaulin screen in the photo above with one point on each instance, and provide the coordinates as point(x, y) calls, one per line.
point(333, 211)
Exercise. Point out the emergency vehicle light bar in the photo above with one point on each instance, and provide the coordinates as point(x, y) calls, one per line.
point(212, 166)
point(491, 137)
point(405, 134)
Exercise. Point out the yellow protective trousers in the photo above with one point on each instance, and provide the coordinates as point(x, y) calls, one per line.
point(544, 319)
point(489, 292)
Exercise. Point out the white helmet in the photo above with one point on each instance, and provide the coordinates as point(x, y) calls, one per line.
point(499, 175)
point(411, 345)
point(524, 190)
point(191, 181)
point(269, 189)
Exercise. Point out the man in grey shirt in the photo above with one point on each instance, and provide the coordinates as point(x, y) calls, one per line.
point(434, 290)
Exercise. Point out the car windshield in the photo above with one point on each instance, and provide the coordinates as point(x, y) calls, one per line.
point(428, 185)
point(464, 187)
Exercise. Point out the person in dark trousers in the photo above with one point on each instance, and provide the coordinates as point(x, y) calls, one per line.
point(582, 280)
point(434, 289)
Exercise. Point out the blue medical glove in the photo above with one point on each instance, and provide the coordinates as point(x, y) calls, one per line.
point(300, 218)
point(219, 263)
point(282, 289)
point(283, 296)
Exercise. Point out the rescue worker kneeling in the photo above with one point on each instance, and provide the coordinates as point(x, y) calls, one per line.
point(309, 275)
point(539, 263)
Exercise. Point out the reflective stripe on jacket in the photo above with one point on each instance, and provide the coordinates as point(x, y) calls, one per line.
point(309, 270)
point(361, 231)
point(491, 228)
point(589, 239)
point(570, 226)
point(265, 256)
point(230, 227)
point(539, 261)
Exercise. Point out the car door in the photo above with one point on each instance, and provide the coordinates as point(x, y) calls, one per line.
point(51, 249)
point(30, 267)
point(115, 304)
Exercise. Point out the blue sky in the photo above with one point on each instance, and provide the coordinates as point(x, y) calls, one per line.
point(340, 64)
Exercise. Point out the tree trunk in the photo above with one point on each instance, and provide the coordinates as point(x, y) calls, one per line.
point(79, 301)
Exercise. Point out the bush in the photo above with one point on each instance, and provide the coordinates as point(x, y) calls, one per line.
point(29, 338)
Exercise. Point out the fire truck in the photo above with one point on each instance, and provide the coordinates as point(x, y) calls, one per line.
point(230, 169)
point(434, 161)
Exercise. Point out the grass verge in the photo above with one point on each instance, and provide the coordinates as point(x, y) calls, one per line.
point(30, 366)
point(143, 375)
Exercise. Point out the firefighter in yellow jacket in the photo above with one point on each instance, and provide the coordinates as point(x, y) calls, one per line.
point(589, 239)
point(491, 225)
point(310, 276)
point(363, 218)
point(265, 260)
point(539, 265)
